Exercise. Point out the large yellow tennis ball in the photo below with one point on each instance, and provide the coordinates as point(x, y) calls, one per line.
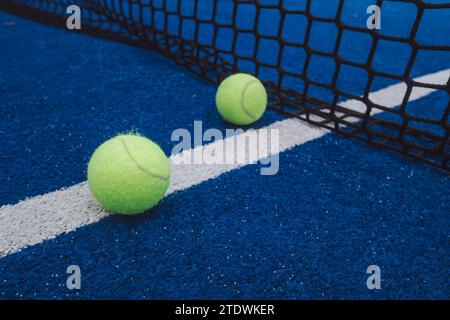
point(241, 99)
point(128, 174)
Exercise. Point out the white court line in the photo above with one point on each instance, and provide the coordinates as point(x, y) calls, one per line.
point(392, 96)
point(44, 217)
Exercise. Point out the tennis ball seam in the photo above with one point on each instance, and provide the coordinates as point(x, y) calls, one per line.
point(242, 105)
point(148, 172)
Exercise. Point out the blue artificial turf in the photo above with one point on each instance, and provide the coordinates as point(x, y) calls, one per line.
point(309, 232)
point(336, 206)
point(68, 93)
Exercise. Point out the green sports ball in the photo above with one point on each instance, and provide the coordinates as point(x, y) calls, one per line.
point(241, 99)
point(128, 174)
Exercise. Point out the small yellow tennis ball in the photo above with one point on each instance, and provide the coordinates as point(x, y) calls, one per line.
point(241, 99)
point(128, 174)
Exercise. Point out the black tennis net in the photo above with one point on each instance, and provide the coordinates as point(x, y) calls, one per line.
point(318, 59)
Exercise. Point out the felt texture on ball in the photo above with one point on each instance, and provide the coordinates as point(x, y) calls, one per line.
point(241, 99)
point(128, 174)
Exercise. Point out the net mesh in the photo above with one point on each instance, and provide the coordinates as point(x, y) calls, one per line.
point(319, 63)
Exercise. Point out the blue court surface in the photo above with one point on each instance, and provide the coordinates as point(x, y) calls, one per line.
point(336, 206)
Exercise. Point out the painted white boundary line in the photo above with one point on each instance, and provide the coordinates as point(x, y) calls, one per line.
point(44, 217)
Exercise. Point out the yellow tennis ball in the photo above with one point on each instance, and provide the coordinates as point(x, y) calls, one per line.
point(128, 174)
point(241, 99)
